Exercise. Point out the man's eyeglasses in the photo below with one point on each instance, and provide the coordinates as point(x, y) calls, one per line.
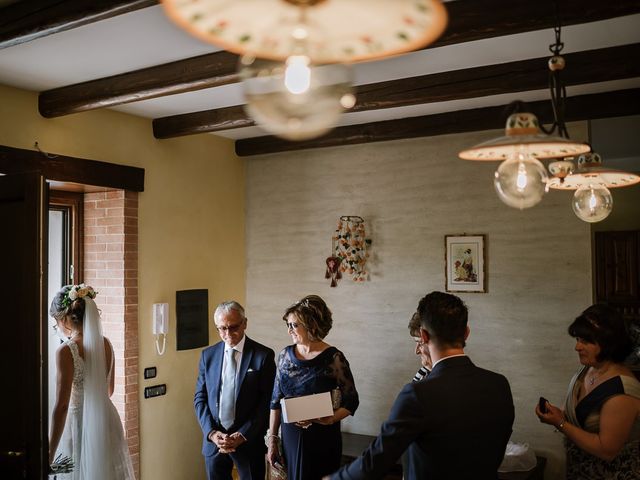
point(229, 328)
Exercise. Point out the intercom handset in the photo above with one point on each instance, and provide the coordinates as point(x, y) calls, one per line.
point(160, 325)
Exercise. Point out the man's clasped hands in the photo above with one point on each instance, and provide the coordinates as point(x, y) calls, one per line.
point(227, 443)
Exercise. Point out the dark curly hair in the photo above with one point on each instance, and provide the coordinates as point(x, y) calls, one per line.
point(602, 325)
point(75, 310)
point(314, 315)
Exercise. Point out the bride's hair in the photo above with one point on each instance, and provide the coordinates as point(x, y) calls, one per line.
point(76, 311)
point(63, 304)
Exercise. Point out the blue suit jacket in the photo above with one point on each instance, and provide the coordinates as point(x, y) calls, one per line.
point(455, 424)
point(255, 381)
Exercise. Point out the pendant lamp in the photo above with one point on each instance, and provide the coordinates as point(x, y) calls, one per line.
point(592, 201)
point(296, 54)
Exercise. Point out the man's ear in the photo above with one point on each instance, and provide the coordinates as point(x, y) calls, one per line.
point(424, 335)
point(466, 333)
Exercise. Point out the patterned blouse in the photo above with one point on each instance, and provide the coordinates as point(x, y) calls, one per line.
point(328, 372)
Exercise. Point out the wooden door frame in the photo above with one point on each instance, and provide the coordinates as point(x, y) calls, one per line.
point(67, 173)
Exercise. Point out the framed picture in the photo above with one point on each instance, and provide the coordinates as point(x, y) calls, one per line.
point(464, 263)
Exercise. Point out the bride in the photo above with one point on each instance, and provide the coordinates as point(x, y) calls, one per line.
point(85, 425)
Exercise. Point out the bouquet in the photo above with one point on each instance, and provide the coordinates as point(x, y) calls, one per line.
point(61, 464)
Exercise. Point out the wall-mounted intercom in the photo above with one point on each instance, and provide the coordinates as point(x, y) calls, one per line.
point(160, 325)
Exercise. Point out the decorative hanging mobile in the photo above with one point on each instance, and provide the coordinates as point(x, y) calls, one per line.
point(349, 250)
point(333, 270)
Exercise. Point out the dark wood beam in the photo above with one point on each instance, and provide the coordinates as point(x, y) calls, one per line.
point(71, 169)
point(205, 121)
point(480, 19)
point(468, 21)
point(583, 107)
point(582, 67)
point(24, 21)
point(204, 71)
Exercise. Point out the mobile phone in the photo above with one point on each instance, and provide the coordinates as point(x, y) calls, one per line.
point(542, 404)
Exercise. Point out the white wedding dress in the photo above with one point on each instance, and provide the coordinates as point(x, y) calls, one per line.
point(118, 462)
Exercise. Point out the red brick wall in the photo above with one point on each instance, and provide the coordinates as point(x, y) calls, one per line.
point(111, 267)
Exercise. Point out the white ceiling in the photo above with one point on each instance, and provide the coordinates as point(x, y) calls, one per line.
point(104, 48)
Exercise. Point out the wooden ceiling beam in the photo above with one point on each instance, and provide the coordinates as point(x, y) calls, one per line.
point(468, 22)
point(24, 21)
point(195, 73)
point(583, 107)
point(582, 67)
point(71, 169)
point(480, 19)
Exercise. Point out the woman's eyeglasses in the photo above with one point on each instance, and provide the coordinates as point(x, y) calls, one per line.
point(292, 325)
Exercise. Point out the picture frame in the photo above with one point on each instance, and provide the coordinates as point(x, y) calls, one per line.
point(465, 263)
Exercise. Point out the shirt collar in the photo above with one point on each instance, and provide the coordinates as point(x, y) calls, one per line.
point(445, 358)
point(239, 346)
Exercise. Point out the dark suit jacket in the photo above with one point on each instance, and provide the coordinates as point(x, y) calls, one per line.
point(457, 422)
point(255, 380)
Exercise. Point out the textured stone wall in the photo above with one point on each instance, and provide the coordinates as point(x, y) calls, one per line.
point(412, 193)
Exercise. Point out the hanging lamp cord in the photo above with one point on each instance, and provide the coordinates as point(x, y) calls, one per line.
point(557, 90)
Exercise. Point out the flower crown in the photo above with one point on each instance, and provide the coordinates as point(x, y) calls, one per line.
point(77, 291)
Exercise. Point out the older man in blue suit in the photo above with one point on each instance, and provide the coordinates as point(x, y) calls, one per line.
point(233, 391)
point(455, 423)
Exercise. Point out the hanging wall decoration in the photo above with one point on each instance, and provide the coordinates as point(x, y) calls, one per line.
point(349, 250)
point(333, 270)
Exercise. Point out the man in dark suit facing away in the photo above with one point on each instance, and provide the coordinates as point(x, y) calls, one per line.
point(455, 423)
point(233, 391)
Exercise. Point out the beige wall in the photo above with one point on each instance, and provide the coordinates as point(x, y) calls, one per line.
point(191, 234)
point(411, 193)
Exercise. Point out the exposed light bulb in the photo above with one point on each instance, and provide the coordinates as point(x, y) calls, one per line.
point(520, 181)
point(297, 74)
point(296, 99)
point(592, 203)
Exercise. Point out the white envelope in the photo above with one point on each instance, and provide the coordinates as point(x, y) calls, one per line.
point(307, 407)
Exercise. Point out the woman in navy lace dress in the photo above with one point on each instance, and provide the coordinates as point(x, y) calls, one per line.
point(312, 448)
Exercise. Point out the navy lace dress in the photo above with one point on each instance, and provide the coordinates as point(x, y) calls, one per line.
point(313, 452)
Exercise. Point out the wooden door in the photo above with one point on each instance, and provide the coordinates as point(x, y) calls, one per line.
point(617, 268)
point(23, 432)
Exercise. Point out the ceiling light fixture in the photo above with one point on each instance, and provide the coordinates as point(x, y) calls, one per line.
point(526, 142)
point(521, 180)
point(592, 201)
point(296, 54)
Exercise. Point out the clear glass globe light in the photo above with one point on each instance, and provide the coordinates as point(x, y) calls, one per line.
point(592, 203)
point(295, 99)
point(521, 181)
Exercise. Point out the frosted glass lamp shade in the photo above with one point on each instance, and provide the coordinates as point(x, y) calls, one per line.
point(592, 203)
point(520, 182)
